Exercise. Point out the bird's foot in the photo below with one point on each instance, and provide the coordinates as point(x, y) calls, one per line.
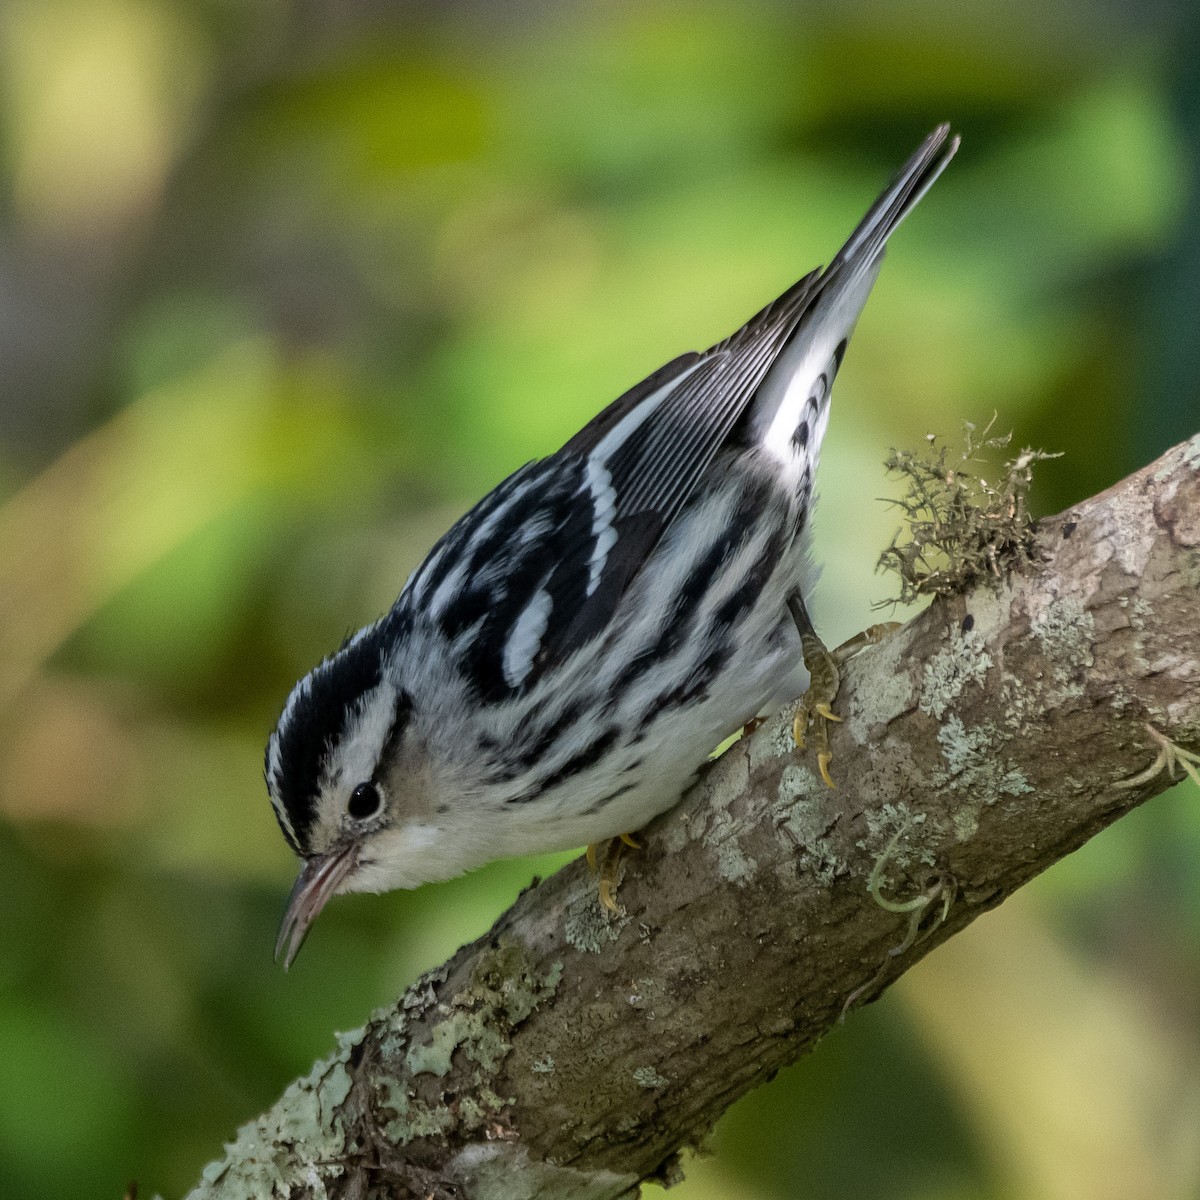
point(824, 680)
point(815, 709)
point(1170, 758)
point(606, 866)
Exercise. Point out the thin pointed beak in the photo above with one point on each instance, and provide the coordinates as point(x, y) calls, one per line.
point(318, 880)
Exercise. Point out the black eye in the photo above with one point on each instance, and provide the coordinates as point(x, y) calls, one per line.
point(364, 801)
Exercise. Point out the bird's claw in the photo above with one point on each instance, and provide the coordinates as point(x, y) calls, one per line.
point(824, 679)
point(608, 894)
point(607, 868)
point(823, 761)
point(813, 716)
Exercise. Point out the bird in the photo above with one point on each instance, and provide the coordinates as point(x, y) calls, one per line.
point(568, 655)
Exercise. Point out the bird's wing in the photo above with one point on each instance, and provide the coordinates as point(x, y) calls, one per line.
point(539, 567)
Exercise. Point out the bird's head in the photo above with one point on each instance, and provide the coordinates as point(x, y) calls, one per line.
point(348, 782)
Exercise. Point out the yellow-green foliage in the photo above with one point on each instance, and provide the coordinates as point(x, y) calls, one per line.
point(291, 285)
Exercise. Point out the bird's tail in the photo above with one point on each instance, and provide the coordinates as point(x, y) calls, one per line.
point(896, 201)
point(791, 405)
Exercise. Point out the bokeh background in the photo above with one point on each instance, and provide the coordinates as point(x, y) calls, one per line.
point(286, 285)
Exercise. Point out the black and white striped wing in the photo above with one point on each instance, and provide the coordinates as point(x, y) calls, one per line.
point(643, 456)
point(538, 568)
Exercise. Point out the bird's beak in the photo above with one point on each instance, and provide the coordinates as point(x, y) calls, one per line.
point(318, 880)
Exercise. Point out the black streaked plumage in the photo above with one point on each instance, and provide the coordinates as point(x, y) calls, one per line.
point(577, 643)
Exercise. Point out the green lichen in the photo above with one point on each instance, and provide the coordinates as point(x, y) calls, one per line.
point(798, 799)
point(716, 823)
point(726, 778)
point(411, 1118)
point(434, 1058)
point(1019, 704)
point(504, 1171)
point(1065, 632)
point(589, 927)
point(276, 1153)
point(423, 994)
point(734, 865)
point(966, 823)
point(503, 992)
point(472, 1112)
point(973, 764)
point(891, 693)
point(648, 1077)
point(797, 812)
point(390, 1025)
point(475, 1025)
point(1191, 458)
point(962, 661)
point(773, 739)
point(1189, 568)
point(544, 1065)
point(963, 750)
point(645, 994)
point(906, 835)
point(301, 1142)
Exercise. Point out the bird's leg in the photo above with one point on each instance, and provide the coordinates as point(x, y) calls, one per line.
point(607, 867)
point(824, 679)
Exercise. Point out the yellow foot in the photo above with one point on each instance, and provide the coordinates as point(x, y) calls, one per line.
point(824, 679)
point(1170, 758)
point(607, 867)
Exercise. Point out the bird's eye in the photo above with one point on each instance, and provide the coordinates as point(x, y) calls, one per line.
point(365, 801)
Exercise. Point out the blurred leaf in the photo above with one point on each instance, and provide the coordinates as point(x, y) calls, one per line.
point(310, 278)
point(1078, 1089)
point(74, 1118)
point(99, 93)
point(371, 117)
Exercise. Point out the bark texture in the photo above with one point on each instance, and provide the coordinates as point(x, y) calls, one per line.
point(570, 1055)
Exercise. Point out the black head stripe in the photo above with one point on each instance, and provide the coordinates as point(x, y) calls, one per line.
point(400, 718)
point(317, 719)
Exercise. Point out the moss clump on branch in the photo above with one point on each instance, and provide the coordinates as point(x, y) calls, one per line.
point(963, 528)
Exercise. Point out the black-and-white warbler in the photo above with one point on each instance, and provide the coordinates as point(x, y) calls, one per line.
point(567, 656)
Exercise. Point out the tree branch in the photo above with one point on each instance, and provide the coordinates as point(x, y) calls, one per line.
point(567, 1054)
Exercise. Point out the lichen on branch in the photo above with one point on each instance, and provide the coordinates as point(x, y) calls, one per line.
point(568, 1054)
point(964, 527)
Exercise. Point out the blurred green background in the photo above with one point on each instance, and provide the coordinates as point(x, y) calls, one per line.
point(286, 286)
